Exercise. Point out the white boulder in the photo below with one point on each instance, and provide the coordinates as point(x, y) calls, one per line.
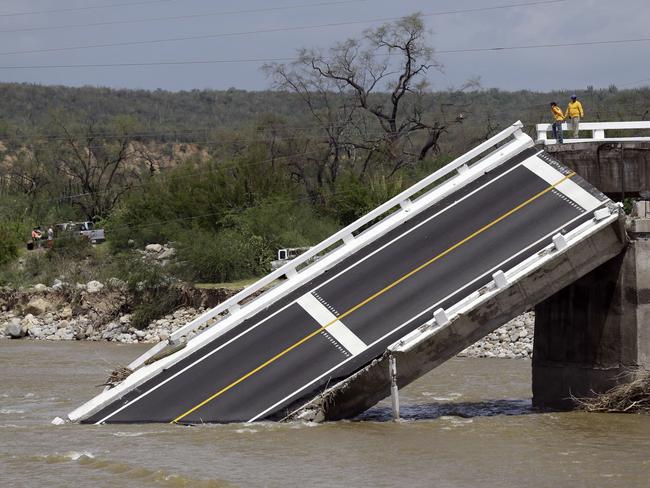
point(94, 286)
point(153, 248)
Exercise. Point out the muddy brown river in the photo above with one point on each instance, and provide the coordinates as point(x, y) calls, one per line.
point(468, 423)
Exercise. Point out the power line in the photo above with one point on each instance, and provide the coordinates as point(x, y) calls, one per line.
point(153, 63)
point(89, 7)
point(183, 17)
point(289, 59)
point(634, 82)
point(544, 46)
point(265, 31)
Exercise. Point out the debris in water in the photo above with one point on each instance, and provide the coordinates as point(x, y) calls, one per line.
point(117, 376)
point(631, 397)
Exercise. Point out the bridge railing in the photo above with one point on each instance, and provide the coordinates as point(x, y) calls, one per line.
point(597, 130)
point(345, 241)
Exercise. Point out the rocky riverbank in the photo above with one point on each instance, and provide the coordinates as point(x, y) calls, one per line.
point(97, 312)
point(513, 340)
point(91, 311)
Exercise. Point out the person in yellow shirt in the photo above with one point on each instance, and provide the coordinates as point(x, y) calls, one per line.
point(574, 113)
point(557, 123)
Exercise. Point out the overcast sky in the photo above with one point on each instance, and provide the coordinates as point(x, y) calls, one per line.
point(570, 21)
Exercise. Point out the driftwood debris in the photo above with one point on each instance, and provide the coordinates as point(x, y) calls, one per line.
point(630, 397)
point(117, 376)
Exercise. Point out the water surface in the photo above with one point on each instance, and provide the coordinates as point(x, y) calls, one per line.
point(468, 423)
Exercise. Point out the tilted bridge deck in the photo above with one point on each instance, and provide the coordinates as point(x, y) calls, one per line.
point(337, 315)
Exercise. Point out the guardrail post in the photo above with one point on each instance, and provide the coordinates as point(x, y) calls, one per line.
point(602, 213)
point(394, 391)
point(406, 204)
point(290, 273)
point(560, 242)
point(348, 238)
point(598, 134)
point(441, 317)
point(500, 279)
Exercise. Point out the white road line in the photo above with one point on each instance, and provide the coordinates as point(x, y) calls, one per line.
point(568, 187)
point(348, 339)
point(415, 317)
point(254, 326)
point(338, 346)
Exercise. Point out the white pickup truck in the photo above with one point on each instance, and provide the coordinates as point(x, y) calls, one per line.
point(86, 229)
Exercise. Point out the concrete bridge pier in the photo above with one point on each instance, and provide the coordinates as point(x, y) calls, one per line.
point(589, 334)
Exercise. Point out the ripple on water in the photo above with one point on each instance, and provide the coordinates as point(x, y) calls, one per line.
point(128, 434)
point(9, 411)
point(118, 469)
point(432, 411)
point(446, 398)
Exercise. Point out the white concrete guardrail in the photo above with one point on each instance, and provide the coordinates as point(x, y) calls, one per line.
point(597, 130)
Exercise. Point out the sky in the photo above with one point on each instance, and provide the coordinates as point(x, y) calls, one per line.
point(60, 33)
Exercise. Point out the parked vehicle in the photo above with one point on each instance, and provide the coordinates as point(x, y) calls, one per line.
point(287, 254)
point(86, 229)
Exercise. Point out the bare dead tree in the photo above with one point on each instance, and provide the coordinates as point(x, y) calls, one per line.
point(101, 169)
point(331, 107)
point(368, 92)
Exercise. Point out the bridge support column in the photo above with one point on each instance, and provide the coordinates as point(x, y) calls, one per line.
point(589, 334)
point(394, 389)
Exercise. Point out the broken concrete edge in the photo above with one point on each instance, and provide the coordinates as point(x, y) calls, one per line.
point(371, 384)
point(615, 168)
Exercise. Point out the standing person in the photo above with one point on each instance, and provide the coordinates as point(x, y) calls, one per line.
point(36, 236)
point(557, 123)
point(574, 112)
point(50, 237)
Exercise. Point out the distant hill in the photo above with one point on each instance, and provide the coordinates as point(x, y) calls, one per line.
point(29, 106)
point(182, 116)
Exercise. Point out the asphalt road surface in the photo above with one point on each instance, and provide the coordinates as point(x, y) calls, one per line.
point(337, 323)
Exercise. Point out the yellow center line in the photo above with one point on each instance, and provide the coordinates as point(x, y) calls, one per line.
point(372, 297)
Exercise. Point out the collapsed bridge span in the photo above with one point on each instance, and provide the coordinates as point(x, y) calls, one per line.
point(422, 276)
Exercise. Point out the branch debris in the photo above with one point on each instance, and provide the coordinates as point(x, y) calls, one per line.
point(632, 397)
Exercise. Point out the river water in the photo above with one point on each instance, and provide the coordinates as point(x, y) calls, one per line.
point(468, 423)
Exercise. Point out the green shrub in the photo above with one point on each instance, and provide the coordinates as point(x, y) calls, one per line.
point(8, 243)
point(152, 291)
point(157, 304)
point(225, 256)
point(70, 246)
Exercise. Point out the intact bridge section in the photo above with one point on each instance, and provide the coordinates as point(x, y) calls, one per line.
point(593, 334)
point(416, 280)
